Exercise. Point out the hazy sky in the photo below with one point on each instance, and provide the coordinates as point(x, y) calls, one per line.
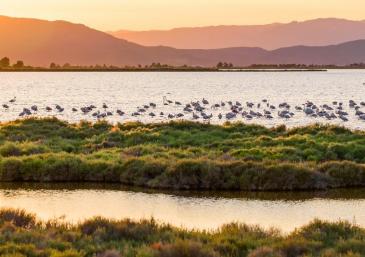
point(165, 14)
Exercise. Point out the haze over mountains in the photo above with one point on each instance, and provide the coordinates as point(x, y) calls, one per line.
point(39, 42)
point(319, 32)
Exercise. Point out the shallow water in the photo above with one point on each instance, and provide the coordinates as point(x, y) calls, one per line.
point(198, 210)
point(128, 90)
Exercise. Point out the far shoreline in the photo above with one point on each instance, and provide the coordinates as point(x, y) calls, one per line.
point(164, 70)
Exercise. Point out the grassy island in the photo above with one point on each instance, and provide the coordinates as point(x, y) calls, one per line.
point(22, 235)
point(182, 155)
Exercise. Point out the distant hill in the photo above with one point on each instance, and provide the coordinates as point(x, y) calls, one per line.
point(319, 32)
point(39, 42)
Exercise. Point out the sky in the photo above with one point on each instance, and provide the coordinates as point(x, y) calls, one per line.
point(111, 15)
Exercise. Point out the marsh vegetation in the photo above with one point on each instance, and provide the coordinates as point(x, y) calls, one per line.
point(182, 155)
point(21, 234)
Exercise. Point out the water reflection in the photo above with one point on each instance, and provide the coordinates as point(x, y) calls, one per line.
point(200, 210)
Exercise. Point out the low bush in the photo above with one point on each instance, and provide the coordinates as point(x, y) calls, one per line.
point(19, 218)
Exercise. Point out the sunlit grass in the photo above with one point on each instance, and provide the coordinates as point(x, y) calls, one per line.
point(21, 234)
point(183, 155)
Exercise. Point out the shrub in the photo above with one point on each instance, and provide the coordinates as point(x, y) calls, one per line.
point(185, 249)
point(90, 226)
point(10, 149)
point(264, 252)
point(109, 253)
point(329, 233)
point(293, 247)
point(67, 253)
point(344, 173)
point(19, 218)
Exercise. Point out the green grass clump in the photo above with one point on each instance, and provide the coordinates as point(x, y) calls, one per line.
point(21, 234)
point(183, 155)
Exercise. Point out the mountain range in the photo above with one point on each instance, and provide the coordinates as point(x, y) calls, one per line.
point(318, 32)
point(40, 42)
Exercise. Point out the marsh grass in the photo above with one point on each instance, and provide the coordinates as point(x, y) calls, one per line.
point(21, 234)
point(183, 155)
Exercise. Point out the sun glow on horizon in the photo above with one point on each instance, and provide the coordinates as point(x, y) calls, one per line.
point(166, 14)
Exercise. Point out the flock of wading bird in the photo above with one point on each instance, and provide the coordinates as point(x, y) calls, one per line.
point(203, 110)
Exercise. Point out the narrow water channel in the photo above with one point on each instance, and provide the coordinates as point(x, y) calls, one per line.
point(198, 210)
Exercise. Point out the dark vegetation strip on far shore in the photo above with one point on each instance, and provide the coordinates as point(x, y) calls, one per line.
point(183, 155)
point(19, 66)
point(161, 70)
point(22, 235)
point(331, 194)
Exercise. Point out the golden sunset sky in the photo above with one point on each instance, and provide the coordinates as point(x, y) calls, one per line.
point(165, 14)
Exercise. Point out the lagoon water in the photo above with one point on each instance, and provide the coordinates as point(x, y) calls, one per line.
point(286, 211)
point(128, 90)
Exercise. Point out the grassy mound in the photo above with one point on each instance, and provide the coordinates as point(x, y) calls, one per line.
point(21, 234)
point(183, 155)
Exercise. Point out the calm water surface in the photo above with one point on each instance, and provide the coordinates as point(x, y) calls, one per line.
point(286, 211)
point(128, 90)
